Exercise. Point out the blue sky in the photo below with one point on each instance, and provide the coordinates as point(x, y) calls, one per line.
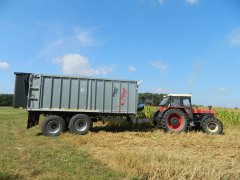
point(174, 46)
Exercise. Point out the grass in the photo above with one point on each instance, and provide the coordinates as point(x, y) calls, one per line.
point(115, 151)
point(26, 154)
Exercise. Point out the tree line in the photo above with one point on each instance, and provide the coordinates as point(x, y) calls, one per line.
point(6, 99)
point(146, 98)
point(150, 98)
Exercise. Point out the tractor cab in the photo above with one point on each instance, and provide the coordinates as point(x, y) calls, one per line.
point(179, 101)
point(176, 100)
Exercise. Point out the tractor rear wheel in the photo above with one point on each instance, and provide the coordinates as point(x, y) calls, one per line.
point(174, 120)
point(212, 125)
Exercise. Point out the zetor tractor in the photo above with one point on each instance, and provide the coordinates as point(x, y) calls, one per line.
point(175, 114)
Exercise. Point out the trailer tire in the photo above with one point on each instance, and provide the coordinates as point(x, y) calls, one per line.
point(53, 126)
point(212, 125)
point(80, 124)
point(174, 120)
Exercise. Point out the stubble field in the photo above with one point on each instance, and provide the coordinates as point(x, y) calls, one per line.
point(118, 151)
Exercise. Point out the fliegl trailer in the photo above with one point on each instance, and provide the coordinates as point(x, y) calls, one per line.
point(74, 102)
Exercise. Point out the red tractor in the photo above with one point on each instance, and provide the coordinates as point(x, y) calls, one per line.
point(175, 114)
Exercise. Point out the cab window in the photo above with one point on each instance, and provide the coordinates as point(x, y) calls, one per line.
point(186, 102)
point(164, 102)
point(175, 101)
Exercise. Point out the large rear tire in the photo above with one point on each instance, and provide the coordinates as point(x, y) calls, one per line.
point(80, 124)
point(212, 125)
point(53, 125)
point(174, 120)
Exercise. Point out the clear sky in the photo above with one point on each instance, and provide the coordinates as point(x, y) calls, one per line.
point(174, 46)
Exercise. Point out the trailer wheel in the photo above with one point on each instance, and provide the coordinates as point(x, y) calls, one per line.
point(53, 125)
point(80, 124)
point(174, 120)
point(212, 125)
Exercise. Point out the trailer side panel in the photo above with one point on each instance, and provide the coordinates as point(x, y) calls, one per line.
point(62, 93)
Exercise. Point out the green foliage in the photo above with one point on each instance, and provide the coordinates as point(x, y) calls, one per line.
point(6, 99)
point(150, 99)
point(149, 111)
point(229, 117)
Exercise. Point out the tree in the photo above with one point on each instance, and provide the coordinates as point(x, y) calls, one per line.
point(150, 98)
point(6, 99)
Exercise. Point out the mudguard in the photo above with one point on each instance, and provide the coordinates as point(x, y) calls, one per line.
point(33, 119)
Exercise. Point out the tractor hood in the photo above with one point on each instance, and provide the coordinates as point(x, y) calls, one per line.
point(203, 111)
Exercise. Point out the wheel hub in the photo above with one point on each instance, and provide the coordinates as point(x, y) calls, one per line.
point(80, 125)
point(53, 127)
point(212, 127)
point(174, 121)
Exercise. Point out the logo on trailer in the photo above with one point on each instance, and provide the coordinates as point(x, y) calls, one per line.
point(115, 91)
point(123, 97)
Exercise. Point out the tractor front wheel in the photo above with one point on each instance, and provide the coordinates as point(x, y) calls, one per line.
point(212, 125)
point(174, 120)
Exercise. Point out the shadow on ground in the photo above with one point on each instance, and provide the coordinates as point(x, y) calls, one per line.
point(121, 127)
point(115, 127)
point(39, 134)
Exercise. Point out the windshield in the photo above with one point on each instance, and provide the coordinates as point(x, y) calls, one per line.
point(164, 102)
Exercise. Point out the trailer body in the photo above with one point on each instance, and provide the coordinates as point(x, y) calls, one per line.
point(66, 96)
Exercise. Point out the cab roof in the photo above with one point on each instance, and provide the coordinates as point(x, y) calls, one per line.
point(179, 95)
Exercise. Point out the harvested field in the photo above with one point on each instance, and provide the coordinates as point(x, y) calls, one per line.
point(152, 154)
point(115, 151)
